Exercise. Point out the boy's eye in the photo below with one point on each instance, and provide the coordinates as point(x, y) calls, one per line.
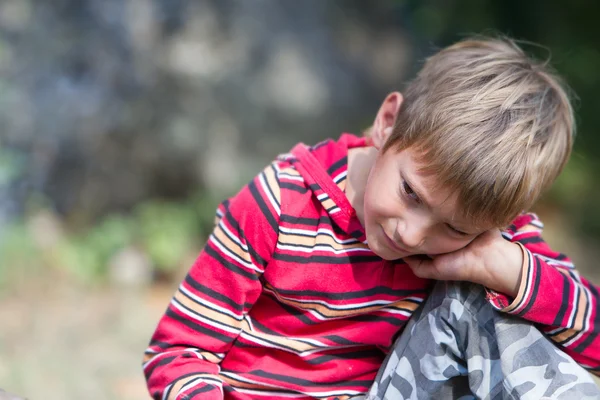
point(461, 233)
point(409, 192)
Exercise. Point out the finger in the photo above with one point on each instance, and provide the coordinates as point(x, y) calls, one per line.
point(422, 267)
point(443, 267)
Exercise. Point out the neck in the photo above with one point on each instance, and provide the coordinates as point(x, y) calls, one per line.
point(360, 161)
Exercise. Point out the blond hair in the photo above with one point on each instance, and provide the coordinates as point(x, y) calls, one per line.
point(490, 123)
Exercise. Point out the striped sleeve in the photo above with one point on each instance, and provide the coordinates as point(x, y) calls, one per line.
point(553, 295)
point(206, 313)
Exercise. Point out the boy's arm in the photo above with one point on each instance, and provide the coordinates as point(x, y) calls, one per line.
point(207, 312)
point(553, 295)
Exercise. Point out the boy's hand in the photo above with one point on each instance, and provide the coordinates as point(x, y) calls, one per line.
point(489, 260)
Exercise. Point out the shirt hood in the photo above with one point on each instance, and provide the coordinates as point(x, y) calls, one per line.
point(324, 168)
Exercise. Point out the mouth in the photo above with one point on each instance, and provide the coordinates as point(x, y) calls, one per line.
point(393, 244)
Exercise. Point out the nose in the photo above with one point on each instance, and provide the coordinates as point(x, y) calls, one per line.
point(412, 232)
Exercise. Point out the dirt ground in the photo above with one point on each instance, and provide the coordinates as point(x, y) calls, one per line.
point(65, 342)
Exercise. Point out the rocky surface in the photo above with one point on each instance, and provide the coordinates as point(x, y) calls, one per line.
point(106, 103)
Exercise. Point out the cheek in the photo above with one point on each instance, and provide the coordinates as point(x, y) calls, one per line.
point(444, 244)
point(373, 214)
point(381, 201)
point(369, 212)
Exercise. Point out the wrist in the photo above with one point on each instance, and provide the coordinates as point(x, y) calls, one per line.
point(507, 268)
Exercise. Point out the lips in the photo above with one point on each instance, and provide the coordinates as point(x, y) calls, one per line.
point(393, 244)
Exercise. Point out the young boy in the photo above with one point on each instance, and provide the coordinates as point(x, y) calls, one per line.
point(315, 267)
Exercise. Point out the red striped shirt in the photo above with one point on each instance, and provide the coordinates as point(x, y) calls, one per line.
point(287, 300)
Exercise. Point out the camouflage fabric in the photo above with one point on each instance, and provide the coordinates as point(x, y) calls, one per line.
point(457, 346)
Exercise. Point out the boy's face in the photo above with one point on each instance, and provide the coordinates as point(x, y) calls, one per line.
point(403, 216)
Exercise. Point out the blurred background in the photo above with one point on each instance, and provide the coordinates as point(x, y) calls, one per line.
point(124, 122)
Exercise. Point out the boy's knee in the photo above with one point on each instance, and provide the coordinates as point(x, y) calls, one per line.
point(465, 292)
point(454, 300)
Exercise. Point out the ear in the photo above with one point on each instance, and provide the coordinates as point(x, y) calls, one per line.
point(384, 123)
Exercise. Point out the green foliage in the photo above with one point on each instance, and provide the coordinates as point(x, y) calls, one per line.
point(86, 256)
point(166, 232)
point(572, 183)
point(18, 252)
point(80, 259)
point(10, 166)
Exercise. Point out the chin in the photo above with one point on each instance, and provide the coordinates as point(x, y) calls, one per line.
point(388, 257)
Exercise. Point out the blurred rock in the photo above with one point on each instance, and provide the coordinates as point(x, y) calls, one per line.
point(221, 163)
point(45, 229)
point(15, 14)
point(292, 83)
point(130, 267)
point(114, 102)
